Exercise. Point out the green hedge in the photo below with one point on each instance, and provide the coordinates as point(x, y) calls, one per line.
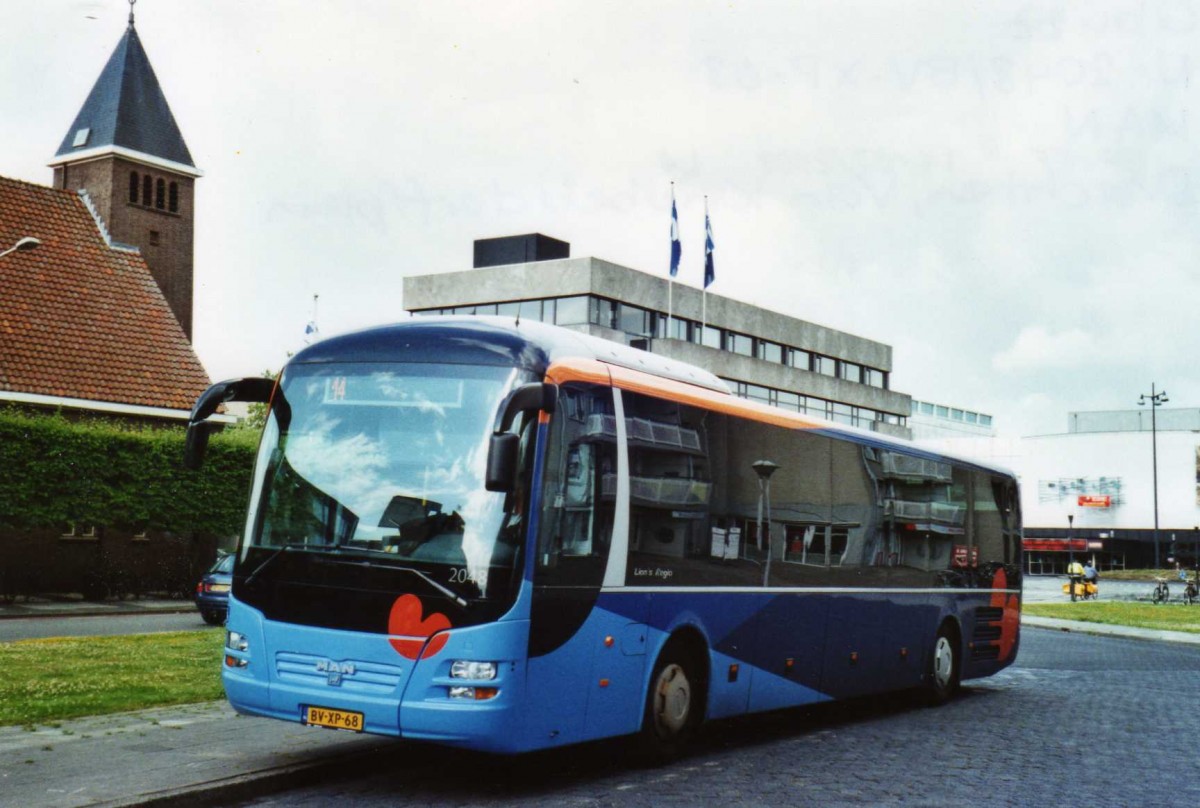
point(123, 479)
point(55, 472)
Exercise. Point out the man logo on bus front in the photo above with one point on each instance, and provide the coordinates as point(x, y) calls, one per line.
point(334, 671)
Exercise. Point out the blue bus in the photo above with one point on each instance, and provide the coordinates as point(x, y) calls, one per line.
point(509, 536)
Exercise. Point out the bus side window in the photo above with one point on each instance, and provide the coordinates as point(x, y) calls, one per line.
point(669, 480)
point(579, 481)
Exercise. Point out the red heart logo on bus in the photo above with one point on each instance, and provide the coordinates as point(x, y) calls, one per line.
point(410, 630)
point(1011, 619)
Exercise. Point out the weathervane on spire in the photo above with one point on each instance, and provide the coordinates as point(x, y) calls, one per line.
point(131, 4)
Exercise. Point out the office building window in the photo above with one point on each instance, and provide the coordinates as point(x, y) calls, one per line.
point(515, 309)
point(825, 365)
point(843, 413)
point(758, 393)
point(788, 401)
point(604, 312)
point(633, 320)
point(739, 344)
point(711, 337)
point(873, 377)
point(675, 329)
point(850, 371)
point(770, 351)
point(572, 310)
point(799, 359)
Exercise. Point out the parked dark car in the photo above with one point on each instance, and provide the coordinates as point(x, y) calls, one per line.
point(212, 592)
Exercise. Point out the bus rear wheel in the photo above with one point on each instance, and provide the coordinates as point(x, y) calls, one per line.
point(673, 706)
point(943, 671)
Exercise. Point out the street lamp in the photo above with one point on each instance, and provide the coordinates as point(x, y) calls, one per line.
point(764, 469)
point(24, 244)
point(1156, 398)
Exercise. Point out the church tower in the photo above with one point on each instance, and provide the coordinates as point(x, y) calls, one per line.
point(126, 151)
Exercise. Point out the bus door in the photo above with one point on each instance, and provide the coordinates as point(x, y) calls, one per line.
point(567, 628)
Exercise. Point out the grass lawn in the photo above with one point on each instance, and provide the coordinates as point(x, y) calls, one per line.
point(1167, 616)
point(1147, 575)
point(67, 677)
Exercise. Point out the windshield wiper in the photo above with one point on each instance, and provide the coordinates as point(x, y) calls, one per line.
point(450, 593)
point(269, 559)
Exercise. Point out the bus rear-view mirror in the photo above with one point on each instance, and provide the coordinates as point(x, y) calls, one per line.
point(504, 447)
point(254, 389)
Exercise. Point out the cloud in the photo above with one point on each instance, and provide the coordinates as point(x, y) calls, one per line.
point(1035, 348)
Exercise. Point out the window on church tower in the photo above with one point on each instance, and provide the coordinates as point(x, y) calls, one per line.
point(134, 184)
point(173, 198)
point(147, 189)
point(160, 193)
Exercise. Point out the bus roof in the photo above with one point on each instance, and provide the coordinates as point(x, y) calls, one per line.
point(495, 341)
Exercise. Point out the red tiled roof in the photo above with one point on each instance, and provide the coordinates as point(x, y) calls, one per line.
point(79, 319)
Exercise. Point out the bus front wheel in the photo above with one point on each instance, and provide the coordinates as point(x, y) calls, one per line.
point(943, 671)
point(673, 706)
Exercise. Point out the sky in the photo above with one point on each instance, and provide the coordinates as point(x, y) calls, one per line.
point(1007, 193)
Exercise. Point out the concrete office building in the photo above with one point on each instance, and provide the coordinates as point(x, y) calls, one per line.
point(930, 420)
point(761, 354)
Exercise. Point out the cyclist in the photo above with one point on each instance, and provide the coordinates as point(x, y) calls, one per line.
point(1091, 578)
point(1074, 575)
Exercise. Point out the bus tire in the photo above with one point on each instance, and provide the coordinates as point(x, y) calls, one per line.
point(674, 705)
point(944, 668)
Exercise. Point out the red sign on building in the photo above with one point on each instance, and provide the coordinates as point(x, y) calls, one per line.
point(1095, 500)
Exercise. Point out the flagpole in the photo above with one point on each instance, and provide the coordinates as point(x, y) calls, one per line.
point(704, 290)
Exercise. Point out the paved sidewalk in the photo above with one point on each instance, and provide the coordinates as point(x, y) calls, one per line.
point(1128, 632)
point(73, 606)
point(205, 754)
point(198, 754)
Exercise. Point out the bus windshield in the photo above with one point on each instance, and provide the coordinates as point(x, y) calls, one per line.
point(382, 465)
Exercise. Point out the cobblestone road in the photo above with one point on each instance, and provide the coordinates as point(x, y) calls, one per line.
point(1079, 720)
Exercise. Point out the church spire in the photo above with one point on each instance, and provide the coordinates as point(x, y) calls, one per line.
point(125, 149)
point(127, 113)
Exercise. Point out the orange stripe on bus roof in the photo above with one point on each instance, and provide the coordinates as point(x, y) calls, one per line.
point(636, 381)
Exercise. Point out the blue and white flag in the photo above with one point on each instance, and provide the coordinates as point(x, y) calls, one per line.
point(676, 248)
point(310, 332)
point(710, 274)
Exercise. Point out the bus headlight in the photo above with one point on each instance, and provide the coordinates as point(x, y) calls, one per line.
point(236, 641)
point(466, 669)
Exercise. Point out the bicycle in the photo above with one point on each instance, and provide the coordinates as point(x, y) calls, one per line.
point(1190, 593)
point(1162, 592)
